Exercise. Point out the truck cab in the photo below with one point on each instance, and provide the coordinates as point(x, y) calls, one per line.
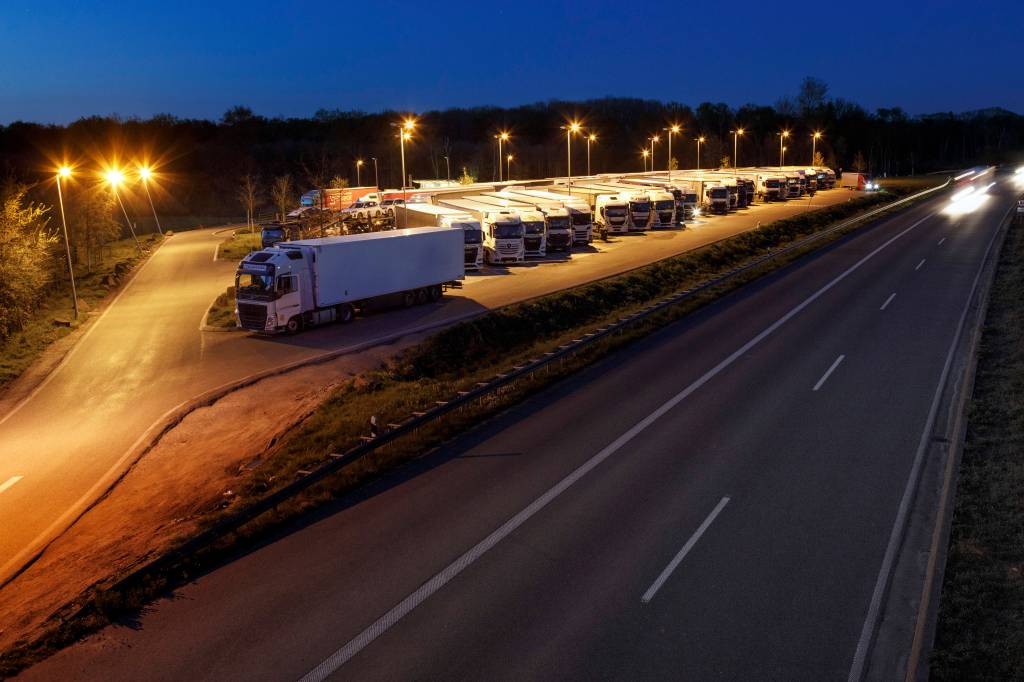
point(771, 187)
point(716, 198)
point(663, 208)
point(473, 240)
point(534, 238)
point(272, 289)
point(612, 212)
point(557, 228)
point(503, 237)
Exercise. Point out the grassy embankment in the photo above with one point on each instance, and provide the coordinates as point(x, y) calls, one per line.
point(980, 632)
point(55, 317)
point(222, 311)
point(436, 369)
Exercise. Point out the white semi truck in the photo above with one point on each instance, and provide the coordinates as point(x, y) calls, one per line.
point(503, 229)
point(429, 215)
point(314, 281)
point(714, 196)
point(555, 205)
point(534, 237)
point(686, 196)
point(638, 201)
point(558, 234)
point(610, 208)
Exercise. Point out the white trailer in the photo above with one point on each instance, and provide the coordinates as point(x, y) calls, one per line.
point(314, 281)
point(610, 208)
point(534, 239)
point(429, 215)
point(638, 201)
point(503, 229)
point(576, 210)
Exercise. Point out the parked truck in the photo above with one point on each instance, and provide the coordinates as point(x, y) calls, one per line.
point(534, 237)
point(638, 202)
point(684, 197)
point(332, 199)
point(558, 229)
point(309, 282)
point(502, 228)
point(555, 205)
point(610, 208)
point(429, 215)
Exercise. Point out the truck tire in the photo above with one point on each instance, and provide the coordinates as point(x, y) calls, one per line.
point(346, 313)
point(435, 292)
point(294, 325)
point(409, 299)
point(422, 296)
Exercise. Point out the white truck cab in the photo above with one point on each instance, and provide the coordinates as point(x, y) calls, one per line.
point(534, 238)
point(503, 237)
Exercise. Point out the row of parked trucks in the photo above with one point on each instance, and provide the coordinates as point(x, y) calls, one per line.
point(443, 233)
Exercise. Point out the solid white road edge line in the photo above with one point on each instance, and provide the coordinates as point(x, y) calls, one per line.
point(333, 662)
point(867, 632)
point(888, 301)
point(828, 373)
point(920, 264)
point(940, 241)
point(677, 559)
point(9, 482)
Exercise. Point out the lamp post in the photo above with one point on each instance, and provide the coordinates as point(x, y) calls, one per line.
point(699, 140)
point(590, 138)
point(570, 130)
point(644, 153)
point(405, 129)
point(782, 150)
point(64, 172)
point(115, 178)
point(500, 137)
point(814, 143)
point(735, 147)
point(144, 175)
point(508, 169)
point(376, 175)
point(654, 138)
point(359, 167)
point(448, 169)
point(672, 130)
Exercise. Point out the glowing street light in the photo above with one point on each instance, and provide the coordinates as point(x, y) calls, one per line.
point(144, 174)
point(65, 172)
point(735, 146)
point(700, 140)
point(590, 138)
point(508, 173)
point(782, 150)
point(571, 129)
point(645, 153)
point(359, 167)
point(814, 141)
point(672, 130)
point(115, 178)
point(404, 133)
point(503, 136)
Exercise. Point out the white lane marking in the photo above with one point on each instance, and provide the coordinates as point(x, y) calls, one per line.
point(333, 662)
point(920, 264)
point(828, 373)
point(9, 482)
point(940, 241)
point(677, 559)
point(867, 633)
point(888, 301)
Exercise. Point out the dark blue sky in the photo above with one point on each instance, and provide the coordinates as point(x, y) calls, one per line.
point(61, 60)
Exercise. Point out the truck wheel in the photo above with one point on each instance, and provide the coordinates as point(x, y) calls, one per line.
point(409, 299)
point(294, 325)
point(422, 296)
point(435, 292)
point(346, 313)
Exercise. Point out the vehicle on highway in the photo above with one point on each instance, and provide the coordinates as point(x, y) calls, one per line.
point(429, 215)
point(502, 228)
point(308, 282)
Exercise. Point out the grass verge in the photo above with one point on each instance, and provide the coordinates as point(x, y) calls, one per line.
point(435, 370)
point(54, 319)
point(980, 630)
point(240, 245)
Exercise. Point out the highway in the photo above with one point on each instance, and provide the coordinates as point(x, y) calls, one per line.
point(145, 356)
point(715, 502)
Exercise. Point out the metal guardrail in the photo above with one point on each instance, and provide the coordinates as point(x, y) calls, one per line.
point(336, 462)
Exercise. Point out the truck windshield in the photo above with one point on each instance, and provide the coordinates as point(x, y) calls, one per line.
point(252, 285)
point(719, 193)
point(641, 205)
point(664, 205)
point(559, 223)
point(691, 198)
point(580, 218)
point(534, 227)
point(771, 183)
point(471, 232)
point(615, 211)
point(508, 230)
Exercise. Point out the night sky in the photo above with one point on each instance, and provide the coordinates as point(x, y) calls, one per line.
point(62, 60)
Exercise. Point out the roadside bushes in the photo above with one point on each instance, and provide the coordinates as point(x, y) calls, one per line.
point(26, 259)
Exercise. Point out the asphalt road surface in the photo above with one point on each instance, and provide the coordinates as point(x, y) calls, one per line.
point(145, 356)
point(712, 503)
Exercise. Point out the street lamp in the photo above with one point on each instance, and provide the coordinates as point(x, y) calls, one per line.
point(783, 156)
point(654, 138)
point(814, 142)
point(508, 170)
point(699, 141)
point(144, 175)
point(115, 178)
point(359, 167)
point(735, 146)
point(590, 138)
point(448, 169)
point(644, 153)
point(570, 130)
point(500, 137)
point(376, 175)
point(65, 172)
point(782, 150)
point(405, 129)
point(671, 131)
